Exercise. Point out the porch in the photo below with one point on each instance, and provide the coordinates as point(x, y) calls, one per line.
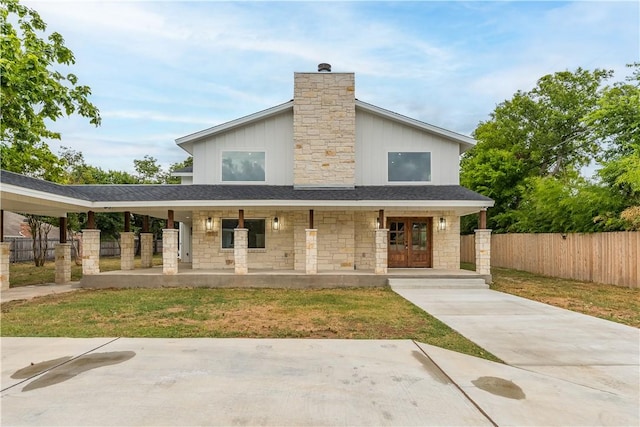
point(263, 278)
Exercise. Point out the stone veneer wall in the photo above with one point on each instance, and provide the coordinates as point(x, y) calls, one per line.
point(324, 129)
point(365, 245)
point(207, 252)
point(446, 243)
point(344, 239)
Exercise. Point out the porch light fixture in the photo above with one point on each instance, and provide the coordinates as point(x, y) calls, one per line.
point(276, 223)
point(377, 223)
point(208, 225)
point(442, 224)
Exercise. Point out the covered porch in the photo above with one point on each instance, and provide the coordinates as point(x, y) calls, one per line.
point(233, 235)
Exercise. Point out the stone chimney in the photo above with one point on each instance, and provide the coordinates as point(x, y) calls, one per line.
point(324, 129)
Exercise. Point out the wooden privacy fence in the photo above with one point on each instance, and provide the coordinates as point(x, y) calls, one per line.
point(612, 258)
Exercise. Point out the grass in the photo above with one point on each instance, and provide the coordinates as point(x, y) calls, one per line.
point(372, 313)
point(25, 273)
point(610, 302)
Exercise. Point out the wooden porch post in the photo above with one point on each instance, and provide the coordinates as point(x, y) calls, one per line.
point(1, 225)
point(310, 219)
point(145, 224)
point(91, 220)
point(170, 224)
point(482, 219)
point(381, 219)
point(241, 218)
point(63, 229)
point(127, 222)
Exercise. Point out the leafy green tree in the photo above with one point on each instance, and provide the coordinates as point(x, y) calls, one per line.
point(34, 92)
point(538, 133)
point(616, 122)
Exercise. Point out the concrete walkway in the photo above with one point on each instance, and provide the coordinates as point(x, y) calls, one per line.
point(578, 349)
point(127, 381)
point(29, 292)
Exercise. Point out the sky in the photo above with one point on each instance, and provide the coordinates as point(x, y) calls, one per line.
point(160, 70)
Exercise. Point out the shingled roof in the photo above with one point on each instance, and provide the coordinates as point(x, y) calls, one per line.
point(177, 192)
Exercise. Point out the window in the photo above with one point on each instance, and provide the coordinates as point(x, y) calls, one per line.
point(243, 166)
point(256, 229)
point(409, 166)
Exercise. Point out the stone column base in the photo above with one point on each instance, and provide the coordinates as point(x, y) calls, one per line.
point(311, 264)
point(63, 262)
point(146, 250)
point(483, 252)
point(381, 253)
point(5, 253)
point(90, 251)
point(240, 250)
point(127, 250)
point(169, 251)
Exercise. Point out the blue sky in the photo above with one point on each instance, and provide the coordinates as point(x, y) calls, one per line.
point(162, 70)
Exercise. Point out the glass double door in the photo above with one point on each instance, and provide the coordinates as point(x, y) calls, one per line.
point(409, 242)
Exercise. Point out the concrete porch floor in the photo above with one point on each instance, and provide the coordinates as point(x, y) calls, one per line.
point(261, 278)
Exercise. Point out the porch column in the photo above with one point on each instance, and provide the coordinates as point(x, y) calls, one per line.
point(63, 262)
point(127, 250)
point(240, 249)
point(146, 250)
point(483, 252)
point(5, 251)
point(169, 251)
point(312, 250)
point(90, 251)
point(381, 251)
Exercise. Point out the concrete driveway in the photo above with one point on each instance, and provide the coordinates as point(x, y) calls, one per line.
point(102, 381)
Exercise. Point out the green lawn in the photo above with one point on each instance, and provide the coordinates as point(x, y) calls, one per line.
point(376, 313)
point(25, 273)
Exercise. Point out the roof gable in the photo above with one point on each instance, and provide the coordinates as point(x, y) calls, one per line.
point(186, 142)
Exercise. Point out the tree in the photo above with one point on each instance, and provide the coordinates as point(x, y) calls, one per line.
point(33, 92)
point(535, 134)
point(39, 229)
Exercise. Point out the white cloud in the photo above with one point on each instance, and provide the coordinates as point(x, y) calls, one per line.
point(161, 70)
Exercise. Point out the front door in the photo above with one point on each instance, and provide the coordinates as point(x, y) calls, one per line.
point(409, 242)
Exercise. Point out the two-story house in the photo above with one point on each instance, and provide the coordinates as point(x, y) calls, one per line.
point(324, 182)
point(325, 171)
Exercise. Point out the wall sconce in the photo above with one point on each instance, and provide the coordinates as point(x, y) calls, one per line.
point(208, 224)
point(377, 223)
point(276, 223)
point(442, 224)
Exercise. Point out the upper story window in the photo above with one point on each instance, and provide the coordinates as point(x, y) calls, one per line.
point(243, 166)
point(409, 166)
